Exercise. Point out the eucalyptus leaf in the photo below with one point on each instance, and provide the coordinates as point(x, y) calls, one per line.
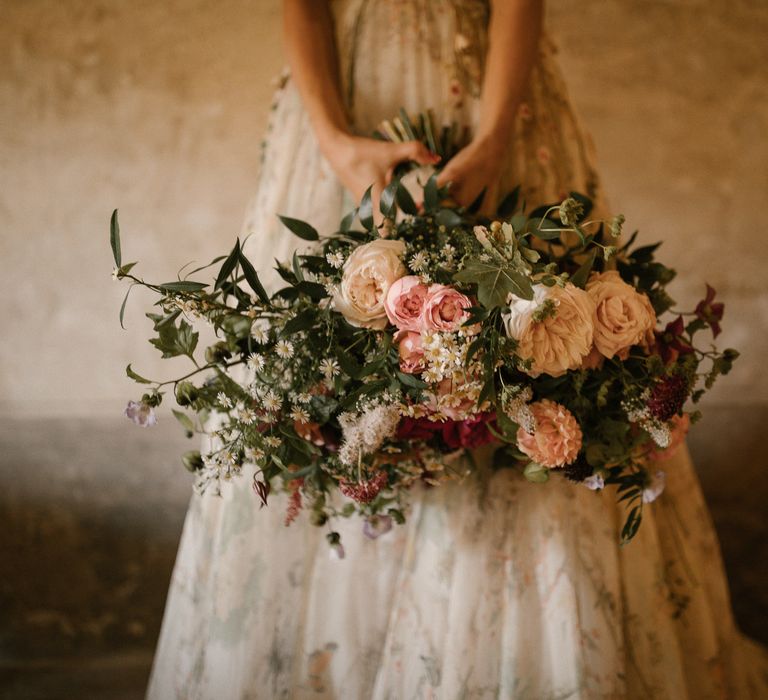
point(252, 277)
point(431, 195)
point(405, 201)
point(182, 286)
point(301, 322)
point(411, 380)
point(365, 211)
point(122, 306)
point(300, 228)
point(228, 265)
point(388, 202)
point(448, 218)
point(185, 420)
point(580, 277)
point(114, 238)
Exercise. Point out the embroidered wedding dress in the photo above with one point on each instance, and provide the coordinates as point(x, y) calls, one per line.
point(495, 587)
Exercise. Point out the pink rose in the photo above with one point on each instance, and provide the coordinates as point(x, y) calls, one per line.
point(445, 309)
point(623, 316)
point(411, 351)
point(404, 303)
point(449, 399)
point(562, 339)
point(556, 440)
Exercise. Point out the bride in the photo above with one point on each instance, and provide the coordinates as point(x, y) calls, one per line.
point(496, 588)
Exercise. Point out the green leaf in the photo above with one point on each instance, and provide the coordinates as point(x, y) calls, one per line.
point(296, 265)
point(237, 325)
point(388, 203)
point(300, 228)
point(365, 212)
point(114, 238)
point(405, 201)
point(228, 265)
point(508, 205)
point(185, 421)
point(581, 275)
point(632, 524)
point(431, 195)
point(536, 473)
point(448, 218)
point(301, 322)
point(546, 229)
point(411, 380)
point(314, 290)
point(125, 269)
point(136, 377)
point(182, 286)
point(347, 221)
point(122, 306)
point(495, 281)
point(252, 278)
point(507, 426)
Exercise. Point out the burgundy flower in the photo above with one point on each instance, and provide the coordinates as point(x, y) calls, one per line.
point(294, 501)
point(417, 429)
point(668, 397)
point(364, 491)
point(670, 343)
point(472, 432)
point(711, 313)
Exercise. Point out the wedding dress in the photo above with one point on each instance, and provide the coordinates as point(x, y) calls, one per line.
point(494, 587)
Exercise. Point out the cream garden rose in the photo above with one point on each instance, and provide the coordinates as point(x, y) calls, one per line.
point(367, 276)
point(561, 340)
point(623, 316)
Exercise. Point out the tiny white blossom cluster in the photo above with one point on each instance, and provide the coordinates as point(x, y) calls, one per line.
point(365, 432)
point(638, 412)
point(444, 353)
point(515, 400)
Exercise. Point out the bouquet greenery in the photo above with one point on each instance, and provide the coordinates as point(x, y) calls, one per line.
point(395, 349)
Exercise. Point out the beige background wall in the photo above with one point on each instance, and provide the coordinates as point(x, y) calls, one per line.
point(158, 108)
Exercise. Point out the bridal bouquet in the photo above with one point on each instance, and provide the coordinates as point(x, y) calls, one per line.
point(394, 349)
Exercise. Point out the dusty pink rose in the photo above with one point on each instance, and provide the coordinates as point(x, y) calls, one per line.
point(368, 274)
point(679, 426)
point(558, 342)
point(623, 316)
point(404, 303)
point(411, 351)
point(445, 309)
point(556, 441)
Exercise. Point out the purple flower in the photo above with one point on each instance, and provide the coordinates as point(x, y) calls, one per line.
point(141, 413)
point(594, 482)
point(377, 525)
point(711, 313)
point(336, 550)
point(655, 487)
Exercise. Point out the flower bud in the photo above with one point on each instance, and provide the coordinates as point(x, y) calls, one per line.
point(217, 353)
point(192, 461)
point(186, 393)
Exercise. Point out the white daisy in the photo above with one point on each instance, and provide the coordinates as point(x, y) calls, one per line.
point(284, 349)
point(335, 259)
point(303, 398)
point(256, 362)
point(418, 261)
point(329, 367)
point(271, 402)
point(260, 335)
point(272, 441)
point(224, 400)
point(300, 414)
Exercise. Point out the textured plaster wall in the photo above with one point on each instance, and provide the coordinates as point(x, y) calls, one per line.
point(158, 108)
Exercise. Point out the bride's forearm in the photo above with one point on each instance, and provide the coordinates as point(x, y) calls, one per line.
point(311, 52)
point(514, 32)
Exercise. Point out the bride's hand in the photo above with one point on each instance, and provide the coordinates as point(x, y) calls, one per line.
point(475, 167)
point(360, 162)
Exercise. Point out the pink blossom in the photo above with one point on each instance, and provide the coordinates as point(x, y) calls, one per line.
point(377, 525)
point(556, 440)
point(445, 309)
point(404, 303)
point(411, 351)
point(141, 413)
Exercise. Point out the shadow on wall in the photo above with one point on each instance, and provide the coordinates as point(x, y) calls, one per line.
point(90, 518)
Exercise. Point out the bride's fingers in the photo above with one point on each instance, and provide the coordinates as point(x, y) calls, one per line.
point(415, 151)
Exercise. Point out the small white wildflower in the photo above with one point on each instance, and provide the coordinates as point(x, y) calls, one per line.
point(115, 274)
point(260, 335)
point(300, 414)
point(256, 362)
point(329, 367)
point(254, 454)
point(273, 441)
point(223, 400)
point(271, 402)
point(335, 259)
point(303, 398)
point(432, 375)
point(284, 349)
point(418, 261)
point(246, 414)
